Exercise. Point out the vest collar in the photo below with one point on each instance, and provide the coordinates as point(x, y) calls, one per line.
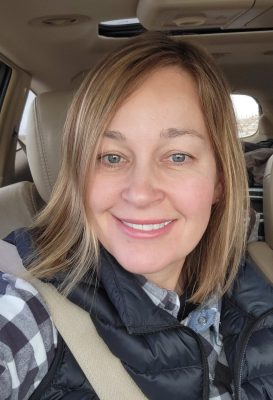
point(136, 310)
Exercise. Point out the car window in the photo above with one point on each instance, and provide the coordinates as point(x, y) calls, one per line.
point(247, 112)
point(23, 125)
point(5, 74)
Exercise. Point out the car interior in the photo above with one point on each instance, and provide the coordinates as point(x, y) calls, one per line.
point(46, 48)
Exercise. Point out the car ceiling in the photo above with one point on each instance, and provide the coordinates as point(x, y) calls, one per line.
point(55, 55)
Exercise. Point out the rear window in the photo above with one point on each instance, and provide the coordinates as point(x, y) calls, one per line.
point(247, 113)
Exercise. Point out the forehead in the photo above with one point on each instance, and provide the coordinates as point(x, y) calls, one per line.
point(167, 99)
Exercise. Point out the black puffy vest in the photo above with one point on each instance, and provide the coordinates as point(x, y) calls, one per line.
point(165, 359)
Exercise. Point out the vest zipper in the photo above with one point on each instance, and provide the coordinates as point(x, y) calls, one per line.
point(204, 361)
point(205, 365)
point(239, 361)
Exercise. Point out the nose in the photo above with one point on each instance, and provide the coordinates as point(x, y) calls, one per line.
point(142, 188)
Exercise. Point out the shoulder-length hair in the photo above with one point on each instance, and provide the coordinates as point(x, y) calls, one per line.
point(65, 237)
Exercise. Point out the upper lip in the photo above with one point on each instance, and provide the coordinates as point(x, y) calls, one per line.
point(145, 221)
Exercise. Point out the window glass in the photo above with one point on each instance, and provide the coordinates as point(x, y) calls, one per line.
point(5, 74)
point(247, 113)
point(23, 125)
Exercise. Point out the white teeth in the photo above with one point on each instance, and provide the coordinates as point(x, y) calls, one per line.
point(148, 227)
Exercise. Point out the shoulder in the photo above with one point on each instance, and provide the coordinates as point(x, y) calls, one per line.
point(27, 337)
point(251, 291)
point(22, 239)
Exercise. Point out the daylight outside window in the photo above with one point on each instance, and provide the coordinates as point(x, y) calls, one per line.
point(247, 114)
point(23, 125)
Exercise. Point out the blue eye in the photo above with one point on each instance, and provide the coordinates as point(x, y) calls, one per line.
point(178, 157)
point(111, 158)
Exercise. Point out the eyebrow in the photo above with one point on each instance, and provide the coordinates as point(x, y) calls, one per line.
point(169, 133)
point(174, 132)
point(114, 135)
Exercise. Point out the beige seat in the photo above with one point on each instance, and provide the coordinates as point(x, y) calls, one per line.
point(262, 252)
point(20, 202)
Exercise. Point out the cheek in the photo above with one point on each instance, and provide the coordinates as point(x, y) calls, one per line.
point(195, 197)
point(100, 195)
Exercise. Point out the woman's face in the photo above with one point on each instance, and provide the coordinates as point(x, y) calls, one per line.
point(156, 180)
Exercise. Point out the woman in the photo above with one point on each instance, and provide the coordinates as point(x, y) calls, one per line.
point(146, 231)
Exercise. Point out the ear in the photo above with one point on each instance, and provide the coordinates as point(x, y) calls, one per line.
point(218, 190)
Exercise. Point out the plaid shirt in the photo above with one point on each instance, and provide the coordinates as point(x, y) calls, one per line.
point(27, 338)
point(204, 320)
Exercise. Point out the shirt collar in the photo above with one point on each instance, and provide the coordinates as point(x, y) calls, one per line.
point(167, 300)
point(205, 316)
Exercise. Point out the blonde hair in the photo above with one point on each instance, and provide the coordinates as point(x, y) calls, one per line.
point(64, 237)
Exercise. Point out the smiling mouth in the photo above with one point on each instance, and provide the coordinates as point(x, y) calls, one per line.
point(146, 227)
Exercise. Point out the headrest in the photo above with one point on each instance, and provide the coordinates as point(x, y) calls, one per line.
point(43, 143)
point(268, 202)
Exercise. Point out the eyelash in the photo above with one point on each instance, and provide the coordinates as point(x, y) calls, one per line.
point(102, 159)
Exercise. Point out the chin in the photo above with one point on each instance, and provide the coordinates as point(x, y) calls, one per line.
point(138, 266)
point(142, 264)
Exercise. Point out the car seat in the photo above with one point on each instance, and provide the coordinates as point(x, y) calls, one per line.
point(262, 252)
point(20, 202)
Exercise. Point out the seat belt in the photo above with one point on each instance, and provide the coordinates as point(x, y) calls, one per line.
point(103, 370)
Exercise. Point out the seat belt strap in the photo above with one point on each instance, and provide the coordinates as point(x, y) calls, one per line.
point(104, 371)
